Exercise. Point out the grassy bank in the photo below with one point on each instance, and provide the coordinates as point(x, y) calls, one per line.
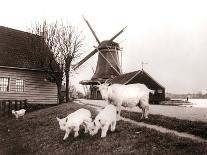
point(191, 127)
point(39, 133)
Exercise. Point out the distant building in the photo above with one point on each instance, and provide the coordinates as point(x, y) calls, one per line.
point(22, 76)
point(73, 93)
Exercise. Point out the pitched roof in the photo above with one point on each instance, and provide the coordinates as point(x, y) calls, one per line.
point(16, 50)
point(139, 76)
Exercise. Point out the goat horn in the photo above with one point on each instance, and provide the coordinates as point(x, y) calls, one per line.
point(108, 81)
point(99, 82)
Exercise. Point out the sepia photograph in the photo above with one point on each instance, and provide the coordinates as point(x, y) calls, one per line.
point(103, 77)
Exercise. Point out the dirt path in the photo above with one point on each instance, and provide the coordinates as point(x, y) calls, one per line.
point(98, 107)
point(164, 130)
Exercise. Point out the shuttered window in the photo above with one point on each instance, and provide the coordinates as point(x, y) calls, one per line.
point(4, 84)
point(19, 85)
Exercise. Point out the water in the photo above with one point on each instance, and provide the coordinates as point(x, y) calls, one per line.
point(197, 103)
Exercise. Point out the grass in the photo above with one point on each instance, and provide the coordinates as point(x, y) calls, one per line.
point(192, 127)
point(39, 133)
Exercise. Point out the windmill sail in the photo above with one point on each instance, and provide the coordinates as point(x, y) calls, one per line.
point(94, 34)
point(85, 59)
point(118, 34)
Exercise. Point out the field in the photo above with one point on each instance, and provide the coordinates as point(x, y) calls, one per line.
point(39, 133)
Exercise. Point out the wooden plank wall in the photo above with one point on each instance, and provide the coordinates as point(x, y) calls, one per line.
point(36, 89)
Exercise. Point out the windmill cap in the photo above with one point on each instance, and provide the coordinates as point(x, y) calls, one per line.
point(108, 44)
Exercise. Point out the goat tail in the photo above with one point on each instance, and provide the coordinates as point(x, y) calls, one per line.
point(151, 91)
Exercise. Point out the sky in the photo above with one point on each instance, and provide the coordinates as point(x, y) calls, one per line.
point(169, 35)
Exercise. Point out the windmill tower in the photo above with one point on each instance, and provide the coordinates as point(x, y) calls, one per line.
point(108, 64)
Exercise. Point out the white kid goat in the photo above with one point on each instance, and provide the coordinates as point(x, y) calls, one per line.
point(105, 118)
point(131, 95)
point(19, 113)
point(73, 121)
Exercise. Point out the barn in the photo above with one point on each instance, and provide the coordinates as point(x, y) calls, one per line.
point(22, 76)
point(143, 77)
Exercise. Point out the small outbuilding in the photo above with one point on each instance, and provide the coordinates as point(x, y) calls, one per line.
point(143, 77)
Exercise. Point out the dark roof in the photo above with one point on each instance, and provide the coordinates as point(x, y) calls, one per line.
point(92, 82)
point(106, 44)
point(139, 76)
point(16, 50)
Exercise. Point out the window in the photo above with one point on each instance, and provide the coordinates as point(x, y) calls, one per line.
point(4, 84)
point(19, 85)
point(159, 91)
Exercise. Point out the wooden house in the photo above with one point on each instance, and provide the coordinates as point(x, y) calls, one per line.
point(22, 76)
point(143, 77)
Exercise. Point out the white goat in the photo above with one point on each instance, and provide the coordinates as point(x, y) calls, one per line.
point(131, 95)
point(19, 113)
point(105, 118)
point(73, 121)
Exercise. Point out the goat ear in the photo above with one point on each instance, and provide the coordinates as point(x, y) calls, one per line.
point(57, 119)
point(99, 82)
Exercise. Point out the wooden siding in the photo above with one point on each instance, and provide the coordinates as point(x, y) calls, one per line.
point(36, 89)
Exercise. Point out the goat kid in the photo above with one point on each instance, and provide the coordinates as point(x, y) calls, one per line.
point(19, 113)
point(105, 118)
point(73, 121)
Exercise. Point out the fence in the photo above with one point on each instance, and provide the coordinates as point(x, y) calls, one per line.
point(6, 106)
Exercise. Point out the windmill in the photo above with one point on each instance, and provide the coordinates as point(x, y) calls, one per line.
point(108, 64)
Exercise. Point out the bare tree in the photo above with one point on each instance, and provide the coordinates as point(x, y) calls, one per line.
point(59, 48)
point(70, 42)
point(45, 46)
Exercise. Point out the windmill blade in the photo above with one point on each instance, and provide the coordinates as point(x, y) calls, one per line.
point(118, 34)
point(85, 59)
point(94, 34)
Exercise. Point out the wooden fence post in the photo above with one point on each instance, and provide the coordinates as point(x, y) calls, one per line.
point(4, 107)
point(0, 107)
point(25, 104)
point(15, 105)
point(20, 105)
point(9, 108)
